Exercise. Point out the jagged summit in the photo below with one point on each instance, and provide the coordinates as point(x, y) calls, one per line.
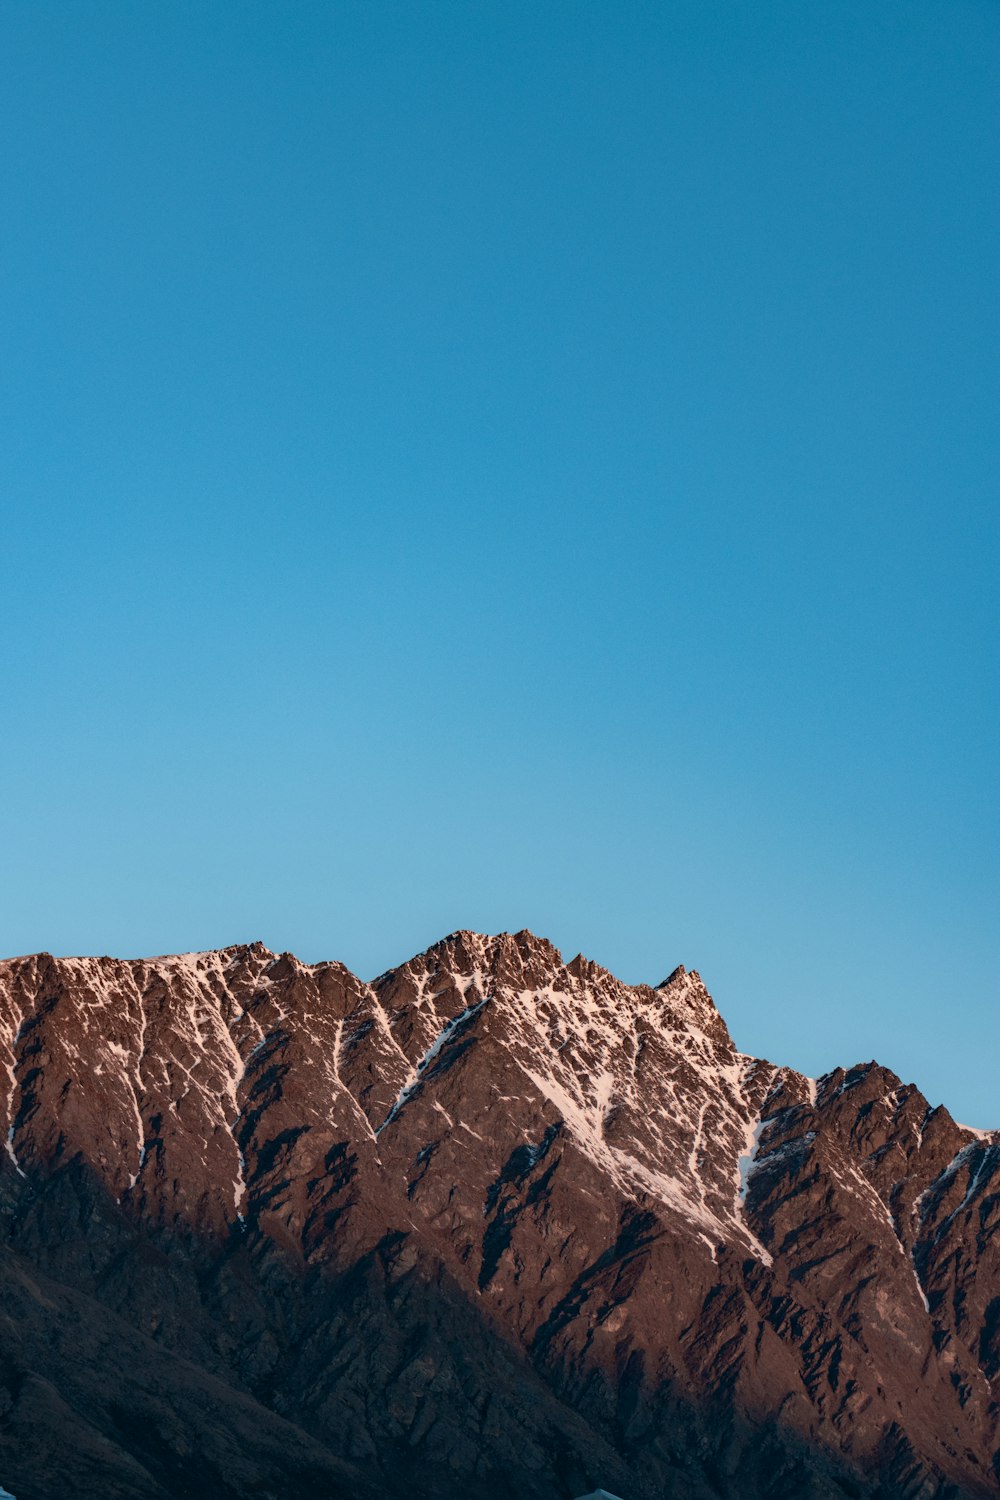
point(674, 977)
point(506, 1147)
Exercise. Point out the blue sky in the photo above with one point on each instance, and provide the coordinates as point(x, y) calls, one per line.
point(503, 465)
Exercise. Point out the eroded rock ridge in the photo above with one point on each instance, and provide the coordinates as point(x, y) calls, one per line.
point(492, 1224)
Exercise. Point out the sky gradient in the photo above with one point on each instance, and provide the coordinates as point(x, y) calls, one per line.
point(499, 465)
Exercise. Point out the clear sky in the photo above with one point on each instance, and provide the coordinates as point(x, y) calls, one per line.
point(511, 464)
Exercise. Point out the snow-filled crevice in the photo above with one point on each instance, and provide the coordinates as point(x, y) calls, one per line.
point(416, 1074)
point(747, 1159)
point(11, 1069)
point(745, 1165)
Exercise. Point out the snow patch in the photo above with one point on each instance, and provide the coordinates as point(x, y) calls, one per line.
point(134, 1176)
point(747, 1159)
point(13, 1156)
point(980, 1135)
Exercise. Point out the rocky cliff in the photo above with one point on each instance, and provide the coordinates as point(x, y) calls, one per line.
point(491, 1225)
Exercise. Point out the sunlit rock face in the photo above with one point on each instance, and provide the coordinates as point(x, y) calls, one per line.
point(492, 1224)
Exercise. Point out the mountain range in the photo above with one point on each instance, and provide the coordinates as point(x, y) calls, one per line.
point(490, 1225)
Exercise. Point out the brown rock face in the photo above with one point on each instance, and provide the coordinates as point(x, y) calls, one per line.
point(491, 1225)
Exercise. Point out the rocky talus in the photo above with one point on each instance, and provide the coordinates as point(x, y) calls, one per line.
point(492, 1225)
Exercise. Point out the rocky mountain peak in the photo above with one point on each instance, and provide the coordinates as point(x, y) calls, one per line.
point(586, 1171)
